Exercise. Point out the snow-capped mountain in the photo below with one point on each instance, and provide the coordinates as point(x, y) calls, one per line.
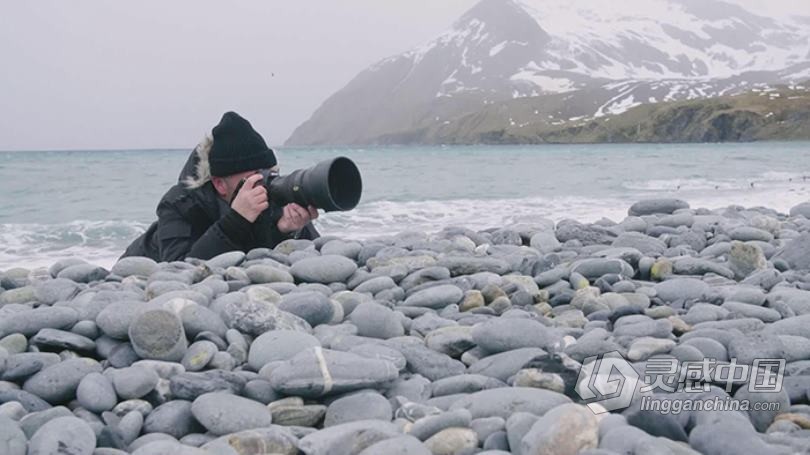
point(604, 57)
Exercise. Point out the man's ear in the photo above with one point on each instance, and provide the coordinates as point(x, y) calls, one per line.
point(221, 186)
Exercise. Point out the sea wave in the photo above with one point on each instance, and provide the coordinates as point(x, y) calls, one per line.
point(40, 245)
point(102, 242)
point(699, 183)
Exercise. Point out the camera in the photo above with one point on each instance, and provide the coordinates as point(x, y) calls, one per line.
point(331, 185)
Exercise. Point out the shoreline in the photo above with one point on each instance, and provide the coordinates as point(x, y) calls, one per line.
point(460, 341)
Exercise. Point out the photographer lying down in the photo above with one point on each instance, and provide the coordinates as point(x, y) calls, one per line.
point(220, 204)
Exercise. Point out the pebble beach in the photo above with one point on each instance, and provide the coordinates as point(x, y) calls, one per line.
point(457, 342)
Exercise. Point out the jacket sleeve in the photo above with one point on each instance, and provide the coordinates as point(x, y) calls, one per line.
point(175, 239)
point(265, 229)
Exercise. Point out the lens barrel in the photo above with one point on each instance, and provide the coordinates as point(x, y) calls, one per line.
point(331, 185)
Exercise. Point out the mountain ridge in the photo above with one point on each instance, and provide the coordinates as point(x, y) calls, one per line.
point(602, 62)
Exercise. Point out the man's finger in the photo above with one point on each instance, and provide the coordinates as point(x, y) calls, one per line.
point(259, 189)
point(250, 182)
point(313, 212)
point(296, 215)
point(302, 213)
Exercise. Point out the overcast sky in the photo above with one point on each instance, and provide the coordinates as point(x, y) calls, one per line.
point(152, 74)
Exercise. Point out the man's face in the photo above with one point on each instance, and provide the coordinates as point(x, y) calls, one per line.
point(226, 186)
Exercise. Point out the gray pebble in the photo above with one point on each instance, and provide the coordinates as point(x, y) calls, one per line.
point(278, 345)
point(376, 321)
point(63, 435)
point(323, 269)
point(313, 307)
point(368, 405)
point(174, 418)
point(158, 335)
point(12, 439)
point(96, 393)
point(426, 427)
point(58, 383)
point(222, 413)
point(198, 355)
point(134, 382)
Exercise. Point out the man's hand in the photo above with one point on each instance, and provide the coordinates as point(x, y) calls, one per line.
point(294, 217)
point(251, 200)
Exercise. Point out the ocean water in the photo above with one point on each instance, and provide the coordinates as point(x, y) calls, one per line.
point(91, 204)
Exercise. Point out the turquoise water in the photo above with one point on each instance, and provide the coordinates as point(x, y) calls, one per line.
point(92, 203)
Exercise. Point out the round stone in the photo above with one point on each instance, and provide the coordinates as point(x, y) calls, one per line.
point(566, 429)
point(173, 418)
point(376, 285)
point(68, 435)
point(12, 438)
point(53, 338)
point(315, 372)
point(323, 269)
point(311, 306)
point(225, 260)
point(278, 345)
point(134, 265)
point(655, 206)
point(348, 249)
point(158, 335)
point(115, 319)
point(198, 355)
point(52, 291)
point(96, 393)
point(435, 297)
point(428, 426)
point(359, 406)
point(255, 317)
point(84, 273)
point(14, 344)
point(452, 441)
point(376, 321)
point(28, 323)
point(198, 319)
point(260, 273)
point(506, 334)
point(58, 383)
point(134, 382)
point(223, 413)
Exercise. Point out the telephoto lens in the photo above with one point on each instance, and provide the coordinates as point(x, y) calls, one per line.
point(331, 185)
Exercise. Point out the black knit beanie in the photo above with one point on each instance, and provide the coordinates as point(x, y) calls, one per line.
point(238, 147)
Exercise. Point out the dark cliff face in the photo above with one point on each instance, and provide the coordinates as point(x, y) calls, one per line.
point(733, 127)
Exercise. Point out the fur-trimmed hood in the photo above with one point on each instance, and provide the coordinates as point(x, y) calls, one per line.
point(197, 171)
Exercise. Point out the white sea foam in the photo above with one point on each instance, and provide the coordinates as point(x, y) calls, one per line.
point(40, 245)
point(102, 242)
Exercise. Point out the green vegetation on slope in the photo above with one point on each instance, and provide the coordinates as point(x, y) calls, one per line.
point(776, 114)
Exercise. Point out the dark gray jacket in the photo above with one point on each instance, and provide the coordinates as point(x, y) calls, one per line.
point(196, 222)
